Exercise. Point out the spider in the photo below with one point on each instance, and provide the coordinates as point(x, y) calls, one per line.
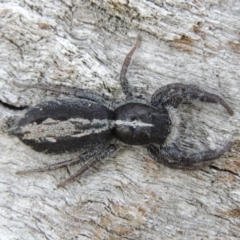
point(84, 123)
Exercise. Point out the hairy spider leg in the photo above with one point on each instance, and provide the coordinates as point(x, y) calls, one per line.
point(94, 156)
point(53, 166)
point(110, 149)
point(82, 93)
point(123, 79)
point(101, 152)
point(70, 91)
point(173, 157)
point(173, 94)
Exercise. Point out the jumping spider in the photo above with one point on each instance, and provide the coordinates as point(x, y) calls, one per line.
point(84, 123)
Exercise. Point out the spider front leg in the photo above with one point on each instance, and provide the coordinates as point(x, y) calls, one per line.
point(174, 94)
point(173, 157)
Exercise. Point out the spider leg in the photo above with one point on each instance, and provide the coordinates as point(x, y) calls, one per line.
point(123, 79)
point(76, 92)
point(53, 166)
point(96, 158)
point(173, 94)
point(173, 157)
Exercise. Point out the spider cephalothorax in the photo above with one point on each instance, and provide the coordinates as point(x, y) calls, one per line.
point(83, 123)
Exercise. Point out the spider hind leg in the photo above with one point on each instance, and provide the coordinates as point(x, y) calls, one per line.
point(123, 79)
point(110, 149)
point(61, 89)
point(92, 159)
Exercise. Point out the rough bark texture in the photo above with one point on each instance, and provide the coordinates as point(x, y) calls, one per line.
point(83, 44)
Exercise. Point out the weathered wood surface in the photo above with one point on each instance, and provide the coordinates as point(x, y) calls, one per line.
point(83, 44)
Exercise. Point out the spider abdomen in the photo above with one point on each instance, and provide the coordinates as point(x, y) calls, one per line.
point(139, 124)
point(64, 125)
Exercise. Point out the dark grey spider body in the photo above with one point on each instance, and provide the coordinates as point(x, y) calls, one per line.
point(84, 124)
point(65, 125)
